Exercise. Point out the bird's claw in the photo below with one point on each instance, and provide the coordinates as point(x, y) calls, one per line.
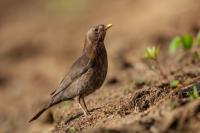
point(86, 113)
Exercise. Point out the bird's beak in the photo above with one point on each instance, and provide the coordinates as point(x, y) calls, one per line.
point(108, 26)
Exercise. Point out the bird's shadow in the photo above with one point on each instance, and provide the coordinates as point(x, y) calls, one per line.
point(73, 117)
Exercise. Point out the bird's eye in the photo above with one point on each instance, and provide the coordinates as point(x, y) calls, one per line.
point(95, 29)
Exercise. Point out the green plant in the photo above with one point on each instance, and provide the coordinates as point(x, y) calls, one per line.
point(174, 44)
point(198, 39)
point(198, 44)
point(152, 54)
point(174, 83)
point(194, 94)
point(186, 41)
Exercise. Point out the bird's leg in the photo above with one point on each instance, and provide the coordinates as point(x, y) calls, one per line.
point(85, 105)
point(80, 105)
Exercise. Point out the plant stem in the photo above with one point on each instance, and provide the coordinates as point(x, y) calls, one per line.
point(162, 73)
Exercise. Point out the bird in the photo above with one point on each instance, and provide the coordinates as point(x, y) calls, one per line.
point(86, 74)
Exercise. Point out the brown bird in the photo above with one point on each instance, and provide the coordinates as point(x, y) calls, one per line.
point(86, 75)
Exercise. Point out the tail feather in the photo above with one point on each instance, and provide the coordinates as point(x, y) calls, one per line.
point(55, 100)
point(38, 114)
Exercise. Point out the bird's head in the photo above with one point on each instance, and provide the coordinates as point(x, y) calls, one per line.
point(97, 33)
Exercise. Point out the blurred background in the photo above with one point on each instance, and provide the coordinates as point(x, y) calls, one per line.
point(39, 40)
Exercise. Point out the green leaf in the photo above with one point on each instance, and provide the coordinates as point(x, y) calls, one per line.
point(195, 91)
point(174, 83)
point(194, 94)
point(152, 53)
point(187, 41)
point(174, 44)
point(198, 39)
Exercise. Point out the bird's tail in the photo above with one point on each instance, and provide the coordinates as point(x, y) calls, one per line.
point(38, 114)
point(55, 100)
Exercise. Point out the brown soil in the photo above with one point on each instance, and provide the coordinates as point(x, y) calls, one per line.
point(152, 108)
point(40, 39)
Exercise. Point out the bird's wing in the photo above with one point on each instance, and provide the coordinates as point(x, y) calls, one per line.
point(79, 67)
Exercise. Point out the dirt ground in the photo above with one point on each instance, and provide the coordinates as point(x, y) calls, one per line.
point(39, 40)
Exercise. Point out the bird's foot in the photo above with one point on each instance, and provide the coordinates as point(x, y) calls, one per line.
point(86, 113)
